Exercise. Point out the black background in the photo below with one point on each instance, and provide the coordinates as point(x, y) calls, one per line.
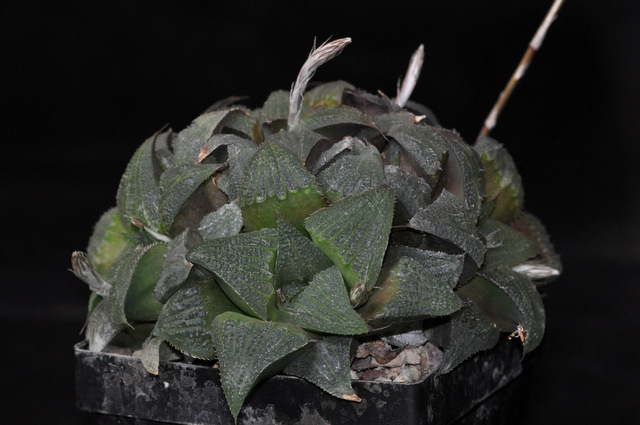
point(85, 82)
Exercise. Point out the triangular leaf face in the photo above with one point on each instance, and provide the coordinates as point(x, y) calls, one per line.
point(353, 172)
point(493, 302)
point(189, 141)
point(324, 306)
point(101, 328)
point(300, 142)
point(276, 183)
point(327, 364)
point(185, 321)
point(245, 266)
point(367, 103)
point(425, 146)
point(139, 192)
point(463, 174)
point(226, 221)
point(298, 259)
point(502, 182)
point(387, 122)
point(232, 154)
point(354, 234)
point(506, 246)
point(177, 184)
point(276, 107)
point(407, 292)
point(412, 193)
point(467, 332)
point(250, 350)
point(243, 124)
point(526, 298)
point(449, 218)
point(328, 95)
point(176, 268)
point(325, 121)
point(108, 240)
point(447, 267)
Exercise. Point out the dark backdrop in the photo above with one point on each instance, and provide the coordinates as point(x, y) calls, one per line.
point(84, 82)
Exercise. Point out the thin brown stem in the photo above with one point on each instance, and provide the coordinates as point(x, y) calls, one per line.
point(534, 45)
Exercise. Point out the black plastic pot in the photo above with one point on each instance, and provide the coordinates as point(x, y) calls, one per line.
point(482, 390)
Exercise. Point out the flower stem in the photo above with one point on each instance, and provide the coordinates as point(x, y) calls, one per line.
point(534, 45)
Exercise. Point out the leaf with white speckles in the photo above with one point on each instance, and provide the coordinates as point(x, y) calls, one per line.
point(250, 350)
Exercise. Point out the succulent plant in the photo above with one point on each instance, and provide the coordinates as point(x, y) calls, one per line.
point(274, 240)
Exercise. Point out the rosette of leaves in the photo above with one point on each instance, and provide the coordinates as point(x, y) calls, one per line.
point(271, 240)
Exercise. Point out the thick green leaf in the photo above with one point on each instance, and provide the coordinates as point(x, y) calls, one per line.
point(151, 354)
point(177, 184)
point(226, 221)
point(425, 147)
point(367, 103)
point(447, 267)
point(277, 184)
point(526, 298)
point(324, 306)
point(101, 328)
point(412, 193)
point(138, 193)
point(354, 171)
point(465, 333)
point(244, 124)
point(119, 276)
point(155, 350)
point(328, 95)
point(245, 265)
point(463, 174)
point(108, 240)
point(300, 142)
point(494, 303)
point(423, 111)
point(176, 268)
point(163, 149)
point(503, 184)
point(276, 107)
point(506, 246)
point(327, 364)
point(407, 292)
point(387, 122)
point(250, 350)
point(298, 259)
point(189, 141)
point(533, 228)
point(325, 120)
point(141, 304)
point(354, 234)
point(449, 218)
point(185, 321)
point(232, 153)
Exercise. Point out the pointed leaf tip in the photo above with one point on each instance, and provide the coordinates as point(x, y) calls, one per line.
point(351, 397)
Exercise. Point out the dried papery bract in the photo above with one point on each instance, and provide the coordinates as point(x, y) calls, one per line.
point(411, 77)
point(534, 45)
point(317, 57)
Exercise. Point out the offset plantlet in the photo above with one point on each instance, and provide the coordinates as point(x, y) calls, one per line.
point(274, 240)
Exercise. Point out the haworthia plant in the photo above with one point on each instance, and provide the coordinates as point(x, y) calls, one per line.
point(274, 240)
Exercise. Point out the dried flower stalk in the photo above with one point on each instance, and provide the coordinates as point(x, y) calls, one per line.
point(317, 57)
point(534, 45)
